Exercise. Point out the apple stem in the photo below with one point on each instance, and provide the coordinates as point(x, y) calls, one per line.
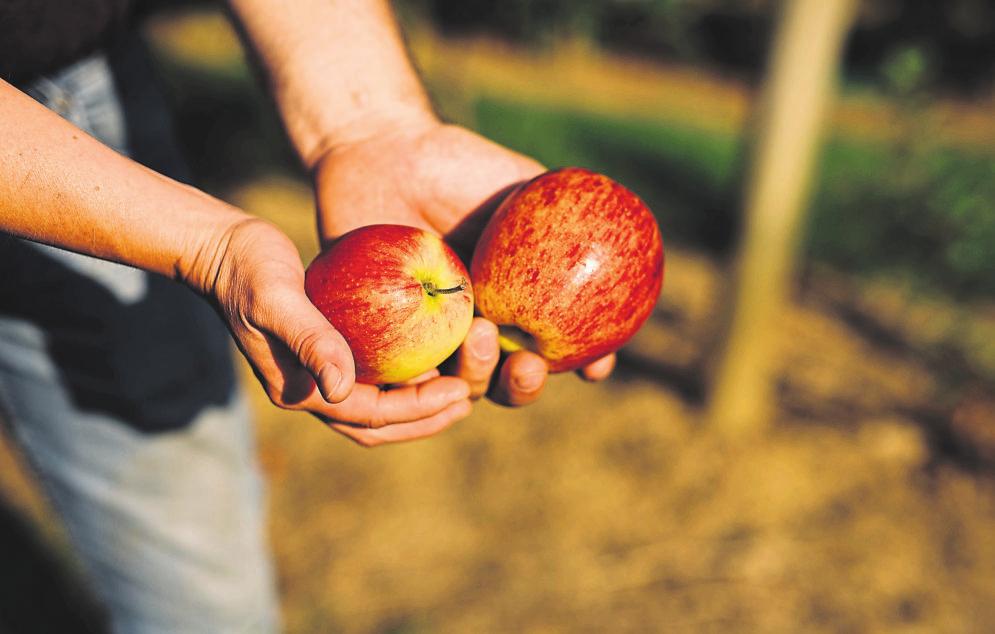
point(433, 291)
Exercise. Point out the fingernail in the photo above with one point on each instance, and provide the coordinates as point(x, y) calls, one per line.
point(529, 382)
point(329, 378)
point(482, 347)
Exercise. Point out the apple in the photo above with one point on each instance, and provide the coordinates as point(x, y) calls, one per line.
point(569, 266)
point(399, 295)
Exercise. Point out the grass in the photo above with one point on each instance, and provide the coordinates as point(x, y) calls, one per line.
point(685, 174)
point(909, 209)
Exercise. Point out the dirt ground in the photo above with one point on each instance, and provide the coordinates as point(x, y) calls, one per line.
point(868, 506)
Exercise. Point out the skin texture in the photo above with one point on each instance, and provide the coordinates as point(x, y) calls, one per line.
point(371, 285)
point(378, 154)
point(574, 260)
point(359, 118)
point(448, 180)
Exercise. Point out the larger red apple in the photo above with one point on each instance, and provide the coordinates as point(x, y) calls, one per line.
point(399, 296)
point(570, 266)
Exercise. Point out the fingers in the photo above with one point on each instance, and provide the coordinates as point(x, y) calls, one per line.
point(316, 344)
point(598, 370)
point(421, 378)
point(478, 356)
point(371, 407)
point(403, 432)
point(521, 379)
point(302, 336)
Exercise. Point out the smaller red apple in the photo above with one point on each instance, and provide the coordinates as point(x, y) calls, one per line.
point(570, 266)
point(398, 295)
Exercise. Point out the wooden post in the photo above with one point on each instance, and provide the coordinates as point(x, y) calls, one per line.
point(801, 74)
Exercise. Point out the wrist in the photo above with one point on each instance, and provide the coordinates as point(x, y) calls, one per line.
point(369, 124)
point(207, 246)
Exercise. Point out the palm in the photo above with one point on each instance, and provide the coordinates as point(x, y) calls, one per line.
point(437, 178)
point(444, 179)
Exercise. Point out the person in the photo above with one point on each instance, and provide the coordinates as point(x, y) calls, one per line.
point(116, 380)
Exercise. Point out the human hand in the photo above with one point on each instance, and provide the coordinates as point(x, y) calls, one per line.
point(254, 274)
point(448, 180)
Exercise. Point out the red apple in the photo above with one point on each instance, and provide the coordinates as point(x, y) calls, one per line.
point(399, 296)
point(570, 266)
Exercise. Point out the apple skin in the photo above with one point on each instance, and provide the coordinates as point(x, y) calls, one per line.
point(376, 284)
point(574, 262)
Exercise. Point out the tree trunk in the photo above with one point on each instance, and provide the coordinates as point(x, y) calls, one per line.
point(801, 74)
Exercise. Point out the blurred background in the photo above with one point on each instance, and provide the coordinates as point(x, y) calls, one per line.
point(856, 492)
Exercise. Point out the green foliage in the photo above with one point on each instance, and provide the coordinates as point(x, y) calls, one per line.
point(905, 70)
point(684, 174)
point(899, 44)
point(924, 212)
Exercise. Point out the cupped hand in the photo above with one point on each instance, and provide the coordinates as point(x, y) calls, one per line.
point(448, 180)
point(255, 275)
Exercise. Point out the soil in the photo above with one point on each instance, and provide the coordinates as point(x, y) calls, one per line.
point(867, 505)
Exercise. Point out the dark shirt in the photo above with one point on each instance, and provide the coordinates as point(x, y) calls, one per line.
point(153, 364)
point(41, 36)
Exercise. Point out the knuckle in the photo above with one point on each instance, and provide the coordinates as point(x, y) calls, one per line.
point(377, 418)
point(305, 342)
point(376, 421)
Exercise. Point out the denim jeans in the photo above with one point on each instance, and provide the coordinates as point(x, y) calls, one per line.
point(119, 387)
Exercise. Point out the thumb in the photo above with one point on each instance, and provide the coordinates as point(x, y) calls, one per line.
point(318, 346)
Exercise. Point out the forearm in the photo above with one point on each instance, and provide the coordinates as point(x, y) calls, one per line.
point(338, 69)
point(61, 187)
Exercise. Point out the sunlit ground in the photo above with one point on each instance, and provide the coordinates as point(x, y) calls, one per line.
point(870, 505)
